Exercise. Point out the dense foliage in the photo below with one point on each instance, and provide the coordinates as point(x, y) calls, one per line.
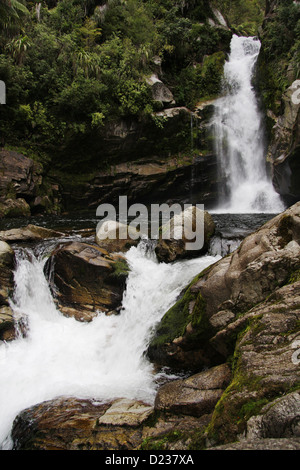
point(280, 55)
point(74, 66)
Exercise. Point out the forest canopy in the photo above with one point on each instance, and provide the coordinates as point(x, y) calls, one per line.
point(73, 66)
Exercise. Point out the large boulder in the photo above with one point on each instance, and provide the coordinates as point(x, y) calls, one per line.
point(193, 227)
point(86, 279)
point(197, 395)
point(116, 237)
point(265, 261)
point(73, 424)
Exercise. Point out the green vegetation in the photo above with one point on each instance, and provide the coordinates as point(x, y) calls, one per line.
point(74, 67)
point(280, 55)
point(189, 309)
point(244, 16)
point(120, 271)
point(162, 442)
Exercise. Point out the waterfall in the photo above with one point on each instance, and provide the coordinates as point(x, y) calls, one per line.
point(100, 360)
point(239, 137)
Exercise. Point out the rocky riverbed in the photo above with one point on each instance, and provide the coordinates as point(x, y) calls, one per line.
point(233, 333)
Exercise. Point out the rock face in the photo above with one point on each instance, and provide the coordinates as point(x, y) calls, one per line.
point(152, 162)
point(279, 88)
point(245, 307)
point(279, 419)
point(7, 261)
point(23, 190)
point(265, 260)
point(179, 179)
point(14, 208)
point(19, 174)
point(264, 375)
point(284, 149)
point(197, 395)
point(86, 279)
point(186, 235)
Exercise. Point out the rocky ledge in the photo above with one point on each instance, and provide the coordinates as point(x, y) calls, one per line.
point(24, 190)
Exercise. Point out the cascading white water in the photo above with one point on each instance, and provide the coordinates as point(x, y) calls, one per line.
point(238, 131)
point(100, 360)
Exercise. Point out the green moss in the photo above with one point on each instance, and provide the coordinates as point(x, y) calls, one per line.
point(175, 320)
point(154, 443)
point(252, 408)
point(120, 271)
point(243, 398)
point(190, 308)
point(294, 277)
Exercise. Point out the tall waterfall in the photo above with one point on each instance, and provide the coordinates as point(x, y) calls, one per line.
point(239, 137)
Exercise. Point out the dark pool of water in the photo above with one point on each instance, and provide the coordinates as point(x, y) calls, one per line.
point(227, 224)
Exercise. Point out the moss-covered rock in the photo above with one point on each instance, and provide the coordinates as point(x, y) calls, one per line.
point(263, 369)
point(202, 327)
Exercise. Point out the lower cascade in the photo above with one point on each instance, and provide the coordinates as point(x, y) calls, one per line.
point(238, 130)
point(100, 360)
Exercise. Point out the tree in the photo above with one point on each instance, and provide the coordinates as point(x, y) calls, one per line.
point(11, 11)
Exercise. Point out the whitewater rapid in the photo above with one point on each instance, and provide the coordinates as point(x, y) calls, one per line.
point(100, 360)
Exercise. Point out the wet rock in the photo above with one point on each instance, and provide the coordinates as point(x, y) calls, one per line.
point(124, 412)
point(29, 233)
point(186, 235)
point(7, 329)
point(14, 208)
point(7, 263)
point(86, 279)
point(116, 237)
point(196, 395)
point(172, 431)
point(73, 424)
